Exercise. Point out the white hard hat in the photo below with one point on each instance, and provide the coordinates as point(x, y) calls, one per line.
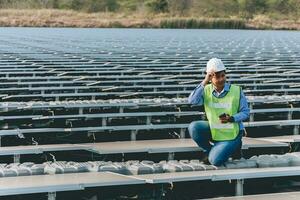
point(215, 65)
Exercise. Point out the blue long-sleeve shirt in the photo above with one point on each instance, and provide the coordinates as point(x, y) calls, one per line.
point(196, 98)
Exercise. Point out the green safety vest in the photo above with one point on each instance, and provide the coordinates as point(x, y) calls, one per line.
point(214, 107)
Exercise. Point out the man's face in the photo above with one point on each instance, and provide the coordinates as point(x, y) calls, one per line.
point(219, 79)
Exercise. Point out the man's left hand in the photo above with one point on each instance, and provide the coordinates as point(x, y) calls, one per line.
point(227, 119)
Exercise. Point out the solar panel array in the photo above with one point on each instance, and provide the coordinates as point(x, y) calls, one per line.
point(85, 86)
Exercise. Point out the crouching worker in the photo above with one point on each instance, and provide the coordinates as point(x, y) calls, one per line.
point(225, 107)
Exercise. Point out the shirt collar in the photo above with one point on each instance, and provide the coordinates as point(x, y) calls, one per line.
point(225, 89)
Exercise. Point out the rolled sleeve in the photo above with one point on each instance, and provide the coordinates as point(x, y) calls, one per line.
point(196, 96)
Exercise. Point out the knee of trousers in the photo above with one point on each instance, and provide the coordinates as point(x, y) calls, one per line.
point(195, 129)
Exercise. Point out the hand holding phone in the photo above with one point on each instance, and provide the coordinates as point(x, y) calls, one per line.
point(224, 118)
point(223, 115)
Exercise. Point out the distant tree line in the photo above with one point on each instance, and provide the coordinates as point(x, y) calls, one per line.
point(207, 8)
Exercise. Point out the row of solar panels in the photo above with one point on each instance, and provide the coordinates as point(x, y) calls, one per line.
point(81, 181)
point(135, 167)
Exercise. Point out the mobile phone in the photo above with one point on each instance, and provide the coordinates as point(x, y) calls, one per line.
point(222, 115)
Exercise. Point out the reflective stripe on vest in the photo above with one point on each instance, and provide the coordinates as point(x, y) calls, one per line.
point(214, 107)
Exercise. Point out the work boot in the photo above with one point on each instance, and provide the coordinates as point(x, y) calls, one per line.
point(205, 160)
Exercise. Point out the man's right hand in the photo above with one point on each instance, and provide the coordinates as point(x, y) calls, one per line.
point(207, 78)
